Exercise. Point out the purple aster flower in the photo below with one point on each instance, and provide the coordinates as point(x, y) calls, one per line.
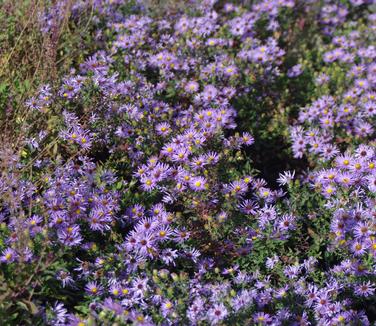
point(292, 272)
point(362, 83)
point(191, 87)
point(167, 308)
point(116, 290)
point(9, 255)
point(145, 243)
point(164, 233)
point(261, 318)
point(168, 256)
point(230, 71)
point(358, 248)
point(146, 225)
point(210, 93)
point(329, 190)
point(345, 179)
point(197, 183)
point(363, 128)
point(295, 71)
point(311, 294)
point(211, 158)
point(217, 313)
point(328, 151)
point(60, 313)
point(136, 212)
point(140, 285)
point(363, 230)
point(181, 155)
point(94, 289)
point(249, 207)
point(364, 152)
point(196, 309)
point(140, 319)
point(238, 187)
point(247, 139)
point(192, 254)
point(322, 301)
point(84, 268)
point(65, 278)
point(70, 236)
point(181, 235)
point(222, 216)
point(271, 262)
point(148, 183)
point(285, 177)
point(365, 289)
point(266, 194)
point(371, 182)
point(287, 222)
point(198, 162)
point(163, 129)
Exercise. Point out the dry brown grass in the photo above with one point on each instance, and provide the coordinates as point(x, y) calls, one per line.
point(30, 58)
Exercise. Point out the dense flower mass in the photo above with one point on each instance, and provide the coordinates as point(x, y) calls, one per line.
point(148, 194)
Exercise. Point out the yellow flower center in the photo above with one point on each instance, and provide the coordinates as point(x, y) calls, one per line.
point(8, 256)
point(329, 190)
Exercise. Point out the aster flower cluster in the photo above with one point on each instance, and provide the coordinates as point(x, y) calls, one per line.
point(332, 120)
point(74, 198)
point(141, 197)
